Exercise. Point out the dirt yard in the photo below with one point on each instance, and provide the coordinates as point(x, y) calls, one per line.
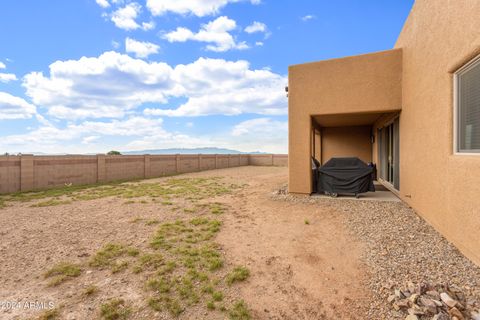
point(207, 245)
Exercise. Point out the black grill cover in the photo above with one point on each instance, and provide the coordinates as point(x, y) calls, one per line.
point(345, 175)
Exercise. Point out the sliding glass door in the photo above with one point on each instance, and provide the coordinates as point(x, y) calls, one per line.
point(389, 153)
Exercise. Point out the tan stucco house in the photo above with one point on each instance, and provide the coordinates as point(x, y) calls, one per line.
point(413, 110)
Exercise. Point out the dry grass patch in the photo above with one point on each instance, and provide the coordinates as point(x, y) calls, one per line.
point(51, 202)
point(237, 275)
point(181, 268)
point(49, 315)
point(115, 309)
point(109, 256)
point(192, 189)
point(62, 272)
point(152, 222)
point(239, 311)
point(90, 290)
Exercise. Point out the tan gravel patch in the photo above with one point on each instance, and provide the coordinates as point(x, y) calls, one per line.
point(400, 247)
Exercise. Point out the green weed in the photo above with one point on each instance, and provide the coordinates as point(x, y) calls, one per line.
point(217, 296)
point(49, 315)
point(51, 202)
point(62, 272)
point(163, 303)
point(239, 311)
point(109, 254)
point(238, 274)
point(90, 290)
point(152, 222)
point(115, 309)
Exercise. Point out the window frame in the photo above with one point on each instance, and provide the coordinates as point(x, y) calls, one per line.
point(456, 108)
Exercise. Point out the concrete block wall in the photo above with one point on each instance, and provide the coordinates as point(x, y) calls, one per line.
point(28, 172)
point(262, 160)
point(52, 171)
point(10, 174)
point(163, 165)
point(280, 160)
point(124, 167)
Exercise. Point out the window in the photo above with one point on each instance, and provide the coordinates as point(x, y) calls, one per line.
point(467, 96)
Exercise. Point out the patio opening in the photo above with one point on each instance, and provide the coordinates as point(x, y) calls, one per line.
point(374, 138)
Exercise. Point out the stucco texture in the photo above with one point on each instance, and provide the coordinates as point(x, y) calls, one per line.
point(363, 84)
point(346, 142)
point(415, 80)
point(437, 39)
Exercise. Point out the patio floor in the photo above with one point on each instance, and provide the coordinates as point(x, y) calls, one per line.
point(382, 194)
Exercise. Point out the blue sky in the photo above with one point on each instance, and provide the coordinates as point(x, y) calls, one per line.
point(88, 76)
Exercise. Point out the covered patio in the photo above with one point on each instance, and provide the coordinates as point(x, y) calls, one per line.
point(373, 137)
point(345, 107)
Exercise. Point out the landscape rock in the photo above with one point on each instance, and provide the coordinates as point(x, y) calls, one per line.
point(475, 315)
point(448, 300)
point(391, 298)
point(454, 312)
point(423, 306)
point(405, 256)
point(429, 305)
point(413, 298)
point(441, 316)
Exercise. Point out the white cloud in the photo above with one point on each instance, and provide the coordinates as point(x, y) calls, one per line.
point(259, 44)
point(263, 134)
point(12, 107)
point(49, 135)
point(216, 32)
point(115, 44)
point(273, 135)
point(308, 17)
point(125, 18)
point(216, 86)
point(148, 25)
point(259, 125)
point(7, 77)
point(136, 132)
point(140, 49)
point(90, 139)
point(103, 3)
point(114, 85)
point(107, 86)
point(256, 27)
point(199, 8)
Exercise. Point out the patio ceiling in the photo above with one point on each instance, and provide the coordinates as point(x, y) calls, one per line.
point(348, 119)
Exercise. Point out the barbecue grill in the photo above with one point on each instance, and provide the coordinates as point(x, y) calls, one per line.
point(345, 176)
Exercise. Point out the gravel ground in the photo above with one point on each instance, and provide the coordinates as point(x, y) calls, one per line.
point(401, 247)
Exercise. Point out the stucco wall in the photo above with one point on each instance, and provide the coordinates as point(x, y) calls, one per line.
point(27, 172)
point(438, 38)
point(366, 83)
point(347, 142)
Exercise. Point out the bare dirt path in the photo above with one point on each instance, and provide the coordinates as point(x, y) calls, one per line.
point(303, 262)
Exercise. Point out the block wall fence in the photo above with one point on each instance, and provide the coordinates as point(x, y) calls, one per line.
point(28, 172)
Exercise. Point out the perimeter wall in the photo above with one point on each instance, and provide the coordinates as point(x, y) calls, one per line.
point(28, 172)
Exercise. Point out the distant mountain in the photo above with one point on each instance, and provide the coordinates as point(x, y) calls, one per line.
point(190, 151)
point(159, 151)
